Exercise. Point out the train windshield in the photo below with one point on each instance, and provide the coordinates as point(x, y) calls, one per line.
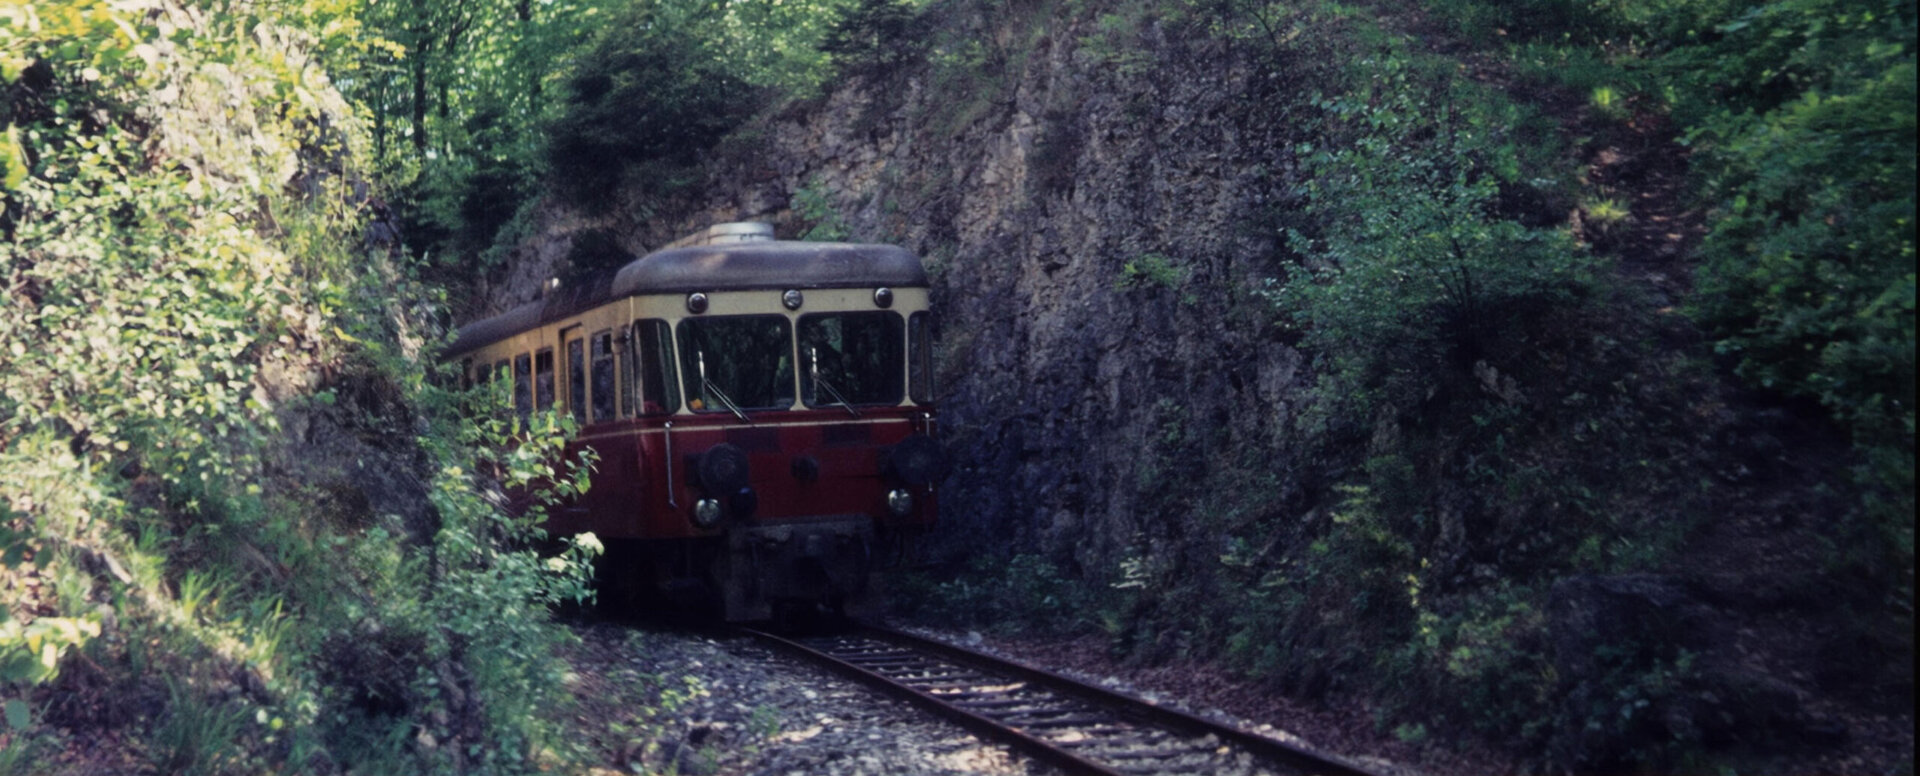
point(742, 362)
point(851, 358)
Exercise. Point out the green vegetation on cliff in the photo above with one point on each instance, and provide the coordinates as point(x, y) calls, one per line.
point(1554, 392)
point(242, 531)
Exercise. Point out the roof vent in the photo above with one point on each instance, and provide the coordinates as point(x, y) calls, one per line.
point(732, 232)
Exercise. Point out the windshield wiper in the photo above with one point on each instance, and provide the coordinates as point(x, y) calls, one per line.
point(707, 387)
point(813, 371)
point(821, 382)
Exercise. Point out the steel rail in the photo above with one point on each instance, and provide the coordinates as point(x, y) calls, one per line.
point(970, 682)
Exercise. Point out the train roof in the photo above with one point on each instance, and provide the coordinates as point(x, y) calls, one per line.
point(746, 266)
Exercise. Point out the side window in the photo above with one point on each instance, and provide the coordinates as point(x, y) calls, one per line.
point(659, 393)
point(543, 378)
point(523, 384)
point(603, 399)
point(919, 359)
point(629, 344)
point(577, 379)
point(483, 374)
point(466, 374)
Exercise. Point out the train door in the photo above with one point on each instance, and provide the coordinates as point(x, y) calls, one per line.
point(573, 349)
point(604, 403)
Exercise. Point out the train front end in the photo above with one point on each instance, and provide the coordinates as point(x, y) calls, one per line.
point(790, 450)
point(762, 413)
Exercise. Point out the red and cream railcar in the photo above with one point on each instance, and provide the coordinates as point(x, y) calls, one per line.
point(762, 412)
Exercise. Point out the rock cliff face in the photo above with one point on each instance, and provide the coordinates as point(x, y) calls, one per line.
point(1097, 229)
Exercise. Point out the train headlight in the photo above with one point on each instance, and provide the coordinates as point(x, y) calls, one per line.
point(696, 303)
point(883, 298)
point(707, 512)
point(899, 502)
point(792, 299)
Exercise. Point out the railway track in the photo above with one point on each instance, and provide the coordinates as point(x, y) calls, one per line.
point(1078, 727)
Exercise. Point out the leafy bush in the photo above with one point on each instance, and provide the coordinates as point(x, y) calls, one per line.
point(875, 37)
point(1008, 592)
point(1808, 272)
point(650, 90)
point(1415, 275)
point(813, 205)
point(185, 271)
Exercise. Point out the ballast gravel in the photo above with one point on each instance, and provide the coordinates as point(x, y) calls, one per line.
point(672, 701)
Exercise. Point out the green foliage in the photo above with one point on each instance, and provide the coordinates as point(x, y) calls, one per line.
point(1010, 592)
point(1808, 273)
point(1416, 275)
point(1801, 119)
point(1486, 655)
point(30, 652)
point(1115, 42)
point(1153, 270)
point(875, 37)
point(184, 269)
point(197, 736)
point(814, 206)
point(474, 105)
point(650, 90)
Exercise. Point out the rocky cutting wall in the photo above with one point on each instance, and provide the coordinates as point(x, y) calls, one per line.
point(1096, 231)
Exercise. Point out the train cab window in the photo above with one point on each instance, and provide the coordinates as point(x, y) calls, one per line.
point(851, 358)
point(543, 378)
point(523, 384)
point(603, 399)
point(737, 361)
point(500, 369)
point(659, 394)
point(577, 379)
point(483, 375)
point(920, 358)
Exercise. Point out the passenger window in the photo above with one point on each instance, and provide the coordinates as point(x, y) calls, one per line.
point(466, 374)
point(659, 394)
point(603, 399)
point(523, 384)
point(543, 378)
point(483, 375)
point(577, 379)
point(626, 364)
point(919, 359)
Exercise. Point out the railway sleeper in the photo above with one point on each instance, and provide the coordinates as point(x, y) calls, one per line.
point(1145, 770)
point(1035, 709)
point(1114, 742)
point(1004, 706)
point(1092, 735)
point(946, 692)
point(961, 679)
point(843, 649)
point(921, 668)
point(1033, 717)
point(1075, 722)
point(1150, 743)
point(1143, 755)
point(986, 702)
point(915, 668)
point(885, 662)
